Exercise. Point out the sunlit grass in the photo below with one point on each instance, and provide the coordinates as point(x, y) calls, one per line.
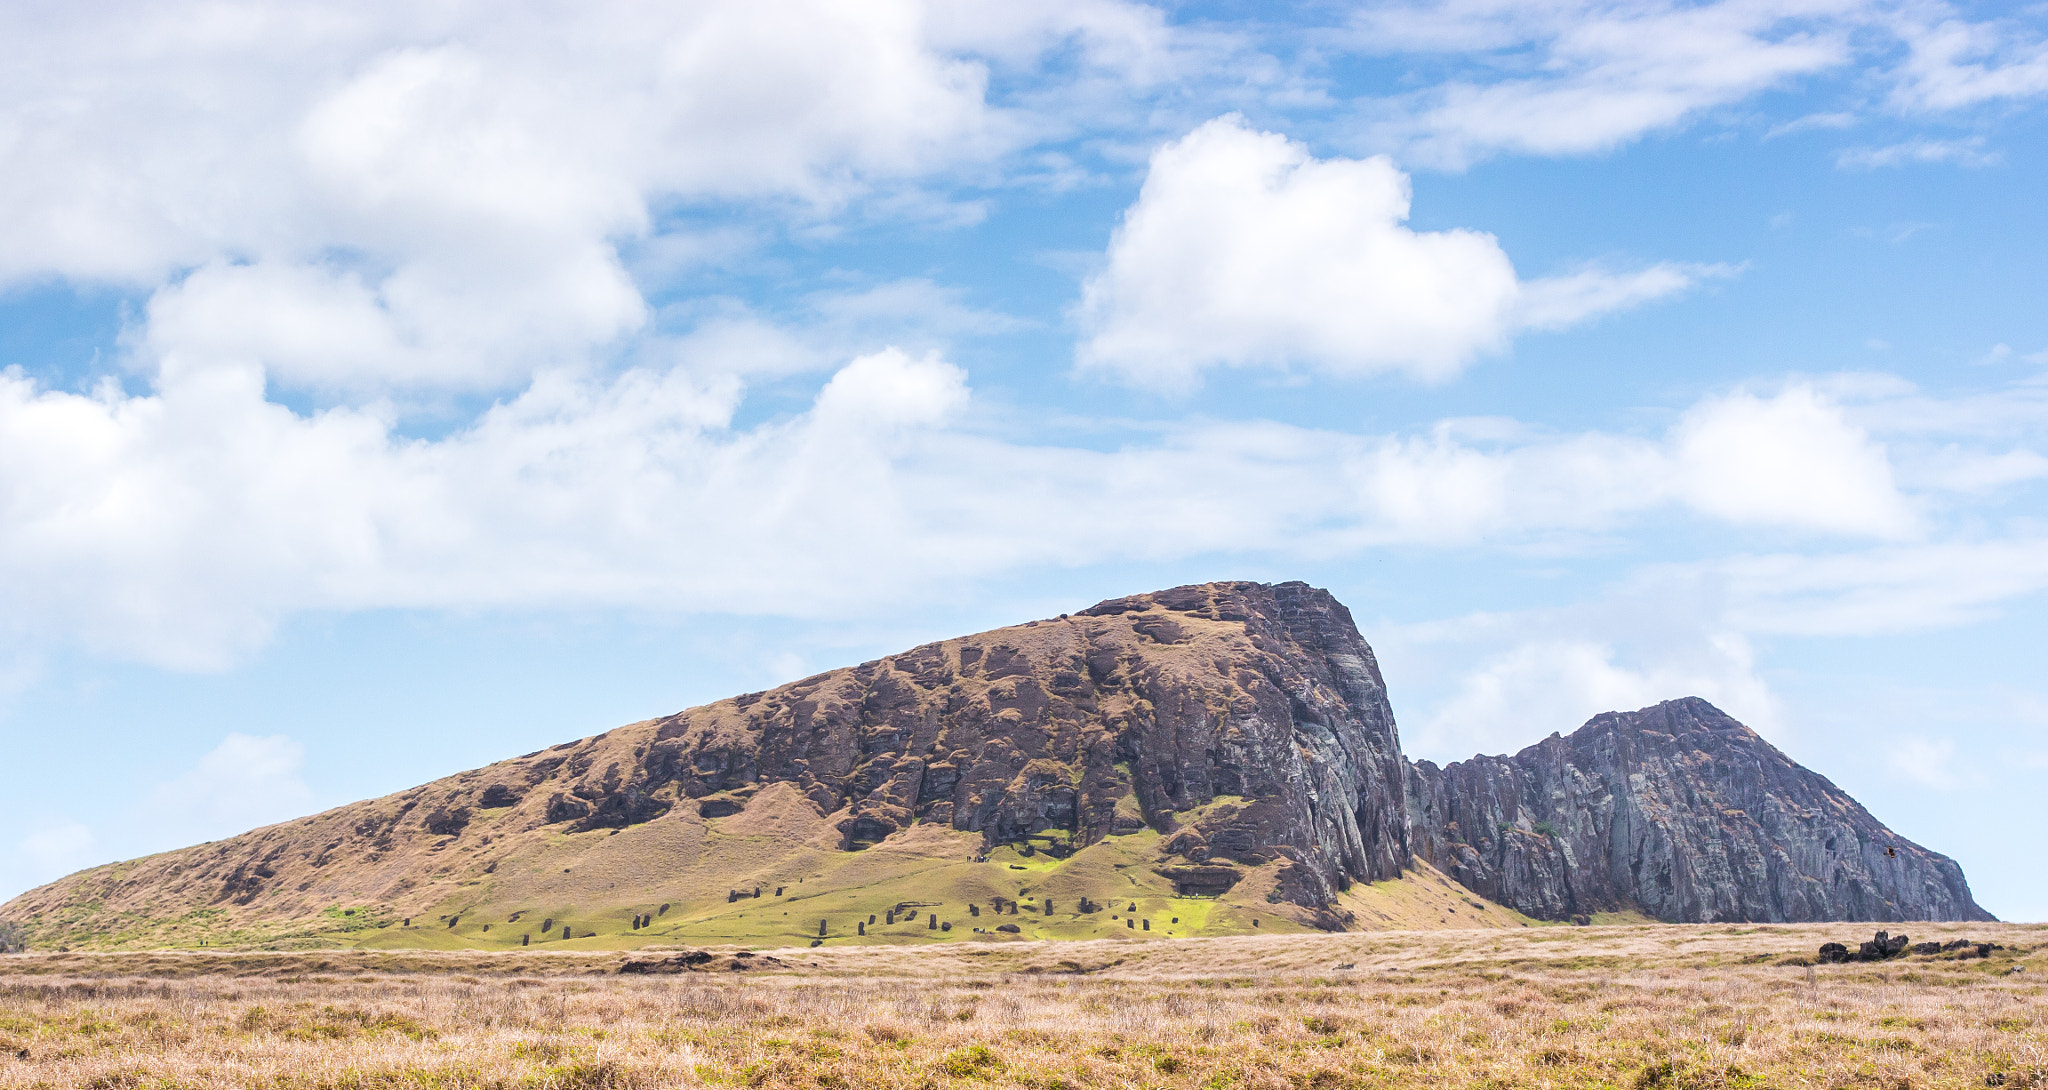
point(1664, 1008)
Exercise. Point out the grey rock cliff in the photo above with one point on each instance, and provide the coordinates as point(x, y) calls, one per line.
point(1677, 811)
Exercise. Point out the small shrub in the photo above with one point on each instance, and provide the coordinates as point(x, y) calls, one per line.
point(970, 1061)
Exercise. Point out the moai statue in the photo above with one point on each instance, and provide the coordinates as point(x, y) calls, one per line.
point(547, 925)
point(932, 922)
point(974, 910)
point(871, 917)
point(565, 931)
point(1148, 925)
point(778, 890)
point(664, 908)
point(860, 927)
point(453, 920)
point(757, 893)
point(821, 929)
point(525, 939)
point(1047, 907)
point(1128, 922)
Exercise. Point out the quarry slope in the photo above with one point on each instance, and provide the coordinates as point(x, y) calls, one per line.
point(1207, 760)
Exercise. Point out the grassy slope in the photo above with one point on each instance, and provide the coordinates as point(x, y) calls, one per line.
point(595, 883)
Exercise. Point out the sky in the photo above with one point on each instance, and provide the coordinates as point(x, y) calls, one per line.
point(391, 388)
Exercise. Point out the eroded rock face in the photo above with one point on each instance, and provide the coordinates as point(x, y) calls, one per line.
point(1253, 715)
point(1681, 812)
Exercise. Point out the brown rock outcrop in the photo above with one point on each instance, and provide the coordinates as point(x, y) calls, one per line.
point(1263, 697)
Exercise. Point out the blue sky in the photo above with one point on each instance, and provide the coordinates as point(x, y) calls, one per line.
point(393, 388)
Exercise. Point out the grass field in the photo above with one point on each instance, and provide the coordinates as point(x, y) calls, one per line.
point(1630, 1008)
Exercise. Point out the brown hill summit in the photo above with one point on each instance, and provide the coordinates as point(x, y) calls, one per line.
point(1204, 760)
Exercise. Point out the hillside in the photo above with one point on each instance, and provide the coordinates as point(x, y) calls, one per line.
point(1208, 760)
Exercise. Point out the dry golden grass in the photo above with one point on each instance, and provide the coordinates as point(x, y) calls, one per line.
point(1632, 1008)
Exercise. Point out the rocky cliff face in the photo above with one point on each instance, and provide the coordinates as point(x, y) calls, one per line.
point(1678, 811)
point(1248, 721)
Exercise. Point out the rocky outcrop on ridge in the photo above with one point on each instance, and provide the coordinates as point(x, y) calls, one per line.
point(1126, 715)
point(1677, 811)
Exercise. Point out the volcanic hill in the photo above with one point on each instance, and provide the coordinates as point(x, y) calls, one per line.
point(1211, 759)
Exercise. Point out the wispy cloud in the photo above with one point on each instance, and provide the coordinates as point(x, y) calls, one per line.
point(1967, 152)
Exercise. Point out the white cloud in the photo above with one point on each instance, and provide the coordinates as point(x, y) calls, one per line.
point(1908, 588)
point(1576, 77)
point(1966, 152)
point(1573, 77)
point(1790, 460)
point(1495, 682)
point(1244, 250)
point(728, 337)
point(242, 783)
point(178, 527)
point(1952, 63)
point(396, 196)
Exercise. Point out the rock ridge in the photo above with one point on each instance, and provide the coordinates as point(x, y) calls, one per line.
point(1679, 812)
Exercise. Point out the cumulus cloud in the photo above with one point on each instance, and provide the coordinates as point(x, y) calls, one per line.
point(179, 526)
point(1794, 459)
point(1245, 250)
point(406, 197)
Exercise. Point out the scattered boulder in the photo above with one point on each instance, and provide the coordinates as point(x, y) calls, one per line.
point(1883, 946)
point(1009, 929)
point(698, 961)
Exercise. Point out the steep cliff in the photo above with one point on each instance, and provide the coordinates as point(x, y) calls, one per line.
point(1677, 811)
